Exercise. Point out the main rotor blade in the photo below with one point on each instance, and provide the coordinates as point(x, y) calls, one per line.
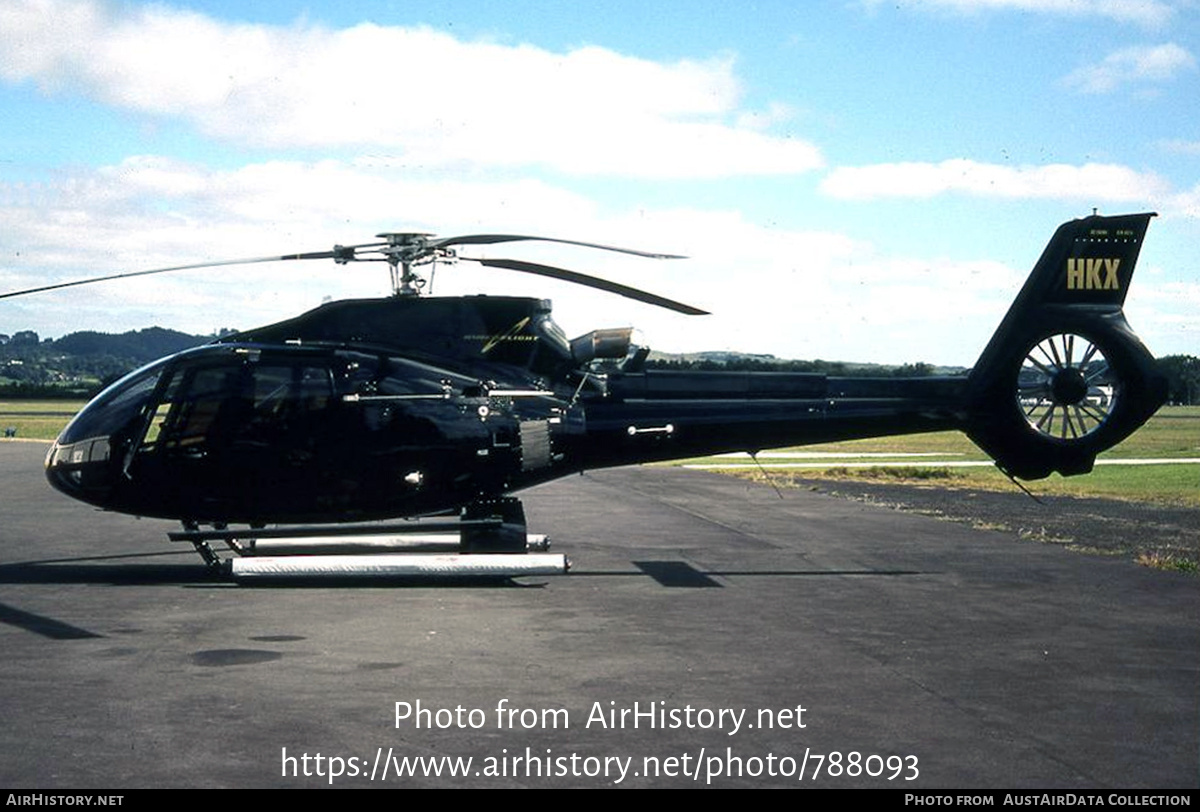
point(591, 282)
point(310, 255)
point(491, 239)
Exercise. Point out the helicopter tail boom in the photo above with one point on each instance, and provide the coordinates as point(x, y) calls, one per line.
point(1064, 377)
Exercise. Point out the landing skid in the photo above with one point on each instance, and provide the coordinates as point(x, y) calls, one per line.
point(490, 539)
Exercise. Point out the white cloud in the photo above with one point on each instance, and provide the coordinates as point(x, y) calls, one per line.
point(152, 210)
point(1187, 203)
point(1145, 13)
point(1167, 315)
point(431, 99)
point(1090, 182)
point(1132, 66)
point(794, 293)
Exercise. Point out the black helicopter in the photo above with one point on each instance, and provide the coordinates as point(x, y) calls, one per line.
point(412, 406)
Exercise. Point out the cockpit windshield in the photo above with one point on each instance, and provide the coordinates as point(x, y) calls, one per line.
point(116, 408)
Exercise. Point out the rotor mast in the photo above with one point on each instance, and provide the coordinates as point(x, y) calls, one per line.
point(403, 251)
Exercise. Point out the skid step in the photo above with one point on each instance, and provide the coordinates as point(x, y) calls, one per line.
point(396, 565)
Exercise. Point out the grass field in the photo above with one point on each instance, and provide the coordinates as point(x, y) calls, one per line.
point(1173, 433)
point(37, 419)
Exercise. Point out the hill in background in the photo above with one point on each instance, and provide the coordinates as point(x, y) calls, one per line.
point(79, 364)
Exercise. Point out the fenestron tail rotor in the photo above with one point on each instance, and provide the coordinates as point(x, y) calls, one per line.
point(404, 251)
point(1066, 387)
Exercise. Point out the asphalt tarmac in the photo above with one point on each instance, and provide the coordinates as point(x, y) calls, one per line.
point(923, 654)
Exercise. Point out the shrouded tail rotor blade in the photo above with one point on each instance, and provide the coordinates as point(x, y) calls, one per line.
point(492, 239)
point(310, 255)
point(591, 282)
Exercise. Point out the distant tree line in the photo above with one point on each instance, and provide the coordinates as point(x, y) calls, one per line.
point(81, 364)
point(1183, 378)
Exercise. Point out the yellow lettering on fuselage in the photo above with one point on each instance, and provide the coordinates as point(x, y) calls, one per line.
point(1085, 274)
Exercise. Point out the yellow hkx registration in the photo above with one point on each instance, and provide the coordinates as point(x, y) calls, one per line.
point(1093, 274)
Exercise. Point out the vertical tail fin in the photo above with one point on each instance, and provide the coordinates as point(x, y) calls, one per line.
point(1064, 377)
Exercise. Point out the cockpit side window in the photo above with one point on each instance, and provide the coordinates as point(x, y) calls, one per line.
point(239, 401)
point(279, 389)
point(187, 411)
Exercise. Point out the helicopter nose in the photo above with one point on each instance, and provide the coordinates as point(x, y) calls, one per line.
point(81, 470)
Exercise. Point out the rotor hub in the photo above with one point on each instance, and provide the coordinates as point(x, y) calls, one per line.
point(405, 249)
point(405, 237)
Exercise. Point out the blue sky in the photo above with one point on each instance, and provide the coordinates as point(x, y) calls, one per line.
point(853, 180)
